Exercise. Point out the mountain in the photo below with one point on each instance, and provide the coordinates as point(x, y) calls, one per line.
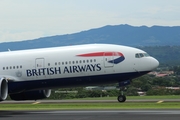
point(117, 34)
point(166, 55)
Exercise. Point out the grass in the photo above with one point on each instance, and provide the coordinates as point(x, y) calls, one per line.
point(155, 97)
point(134, 97)
point(88, 106)
point(99, 105)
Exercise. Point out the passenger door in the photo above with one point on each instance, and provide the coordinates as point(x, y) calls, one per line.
point(39, 65)
point(108, 56)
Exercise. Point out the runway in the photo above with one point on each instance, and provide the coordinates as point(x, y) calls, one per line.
point(98, 114)
point(91, 115)
point(87, 101)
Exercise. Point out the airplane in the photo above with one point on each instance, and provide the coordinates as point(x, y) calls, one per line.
point(31, 74)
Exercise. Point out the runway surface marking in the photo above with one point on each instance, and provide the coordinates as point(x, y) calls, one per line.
point(36, 103)
point(160, 101)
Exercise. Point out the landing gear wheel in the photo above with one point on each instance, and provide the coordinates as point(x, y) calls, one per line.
point(121, 98)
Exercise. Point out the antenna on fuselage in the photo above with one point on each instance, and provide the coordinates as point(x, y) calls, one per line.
point(9, 50)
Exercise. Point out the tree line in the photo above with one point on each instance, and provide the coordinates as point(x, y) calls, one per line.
point(148, 83)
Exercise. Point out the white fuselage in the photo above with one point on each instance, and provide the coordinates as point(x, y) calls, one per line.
point(73, 66)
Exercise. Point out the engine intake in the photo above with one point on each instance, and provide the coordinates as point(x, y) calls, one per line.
point(31, 95)
point(3, 89)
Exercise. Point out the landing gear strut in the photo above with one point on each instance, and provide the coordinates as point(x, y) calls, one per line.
point(122, 97)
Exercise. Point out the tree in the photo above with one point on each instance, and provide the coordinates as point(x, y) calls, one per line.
point(132, 91)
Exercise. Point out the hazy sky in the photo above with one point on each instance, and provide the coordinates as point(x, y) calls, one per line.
point(29, 19)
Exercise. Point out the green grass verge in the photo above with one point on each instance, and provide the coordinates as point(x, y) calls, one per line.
point(134, 98)
point(89, 106)
point(154, 97)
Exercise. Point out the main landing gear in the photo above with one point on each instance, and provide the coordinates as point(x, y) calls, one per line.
point(122, 97)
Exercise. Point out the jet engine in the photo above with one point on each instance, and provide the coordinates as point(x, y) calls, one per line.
point(3, 89)
point(31, 95)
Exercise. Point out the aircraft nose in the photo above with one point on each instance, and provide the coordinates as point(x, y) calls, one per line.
point(154, 63)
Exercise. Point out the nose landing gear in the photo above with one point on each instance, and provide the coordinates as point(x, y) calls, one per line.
point(122, 97)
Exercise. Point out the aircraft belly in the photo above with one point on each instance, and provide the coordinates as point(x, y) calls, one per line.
point(15, 87)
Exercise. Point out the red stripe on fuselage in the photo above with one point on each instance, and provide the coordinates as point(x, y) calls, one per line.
point(98, 54)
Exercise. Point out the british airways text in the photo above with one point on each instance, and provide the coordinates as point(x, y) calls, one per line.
point(60, 70)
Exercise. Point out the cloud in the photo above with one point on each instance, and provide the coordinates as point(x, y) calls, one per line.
point(24, 20)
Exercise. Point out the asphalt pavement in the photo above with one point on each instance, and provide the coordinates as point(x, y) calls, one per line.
point(91, 115)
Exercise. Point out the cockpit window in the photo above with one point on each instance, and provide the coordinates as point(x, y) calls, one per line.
point(140, 55)
point(146, 55)
point(137, 55)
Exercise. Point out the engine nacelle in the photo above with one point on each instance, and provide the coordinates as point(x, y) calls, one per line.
point(3, 89)
point(31, 95)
